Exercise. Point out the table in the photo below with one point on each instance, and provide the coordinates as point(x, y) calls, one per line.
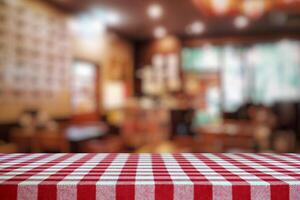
point(228, 136)
point(79, 133)
point(150, 176)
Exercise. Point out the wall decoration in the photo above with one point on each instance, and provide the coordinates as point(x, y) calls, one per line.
point(83, 88)
point(172, 72)
point(162, 76)
point(114, 95)
point(34, 53)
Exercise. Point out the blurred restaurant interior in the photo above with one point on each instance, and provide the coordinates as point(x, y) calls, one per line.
point(149, 76)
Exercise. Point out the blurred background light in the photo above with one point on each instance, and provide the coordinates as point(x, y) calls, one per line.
point(196, 27)
point(160, 32)
point(241, 22)
point(155, 11)
point(86, 26)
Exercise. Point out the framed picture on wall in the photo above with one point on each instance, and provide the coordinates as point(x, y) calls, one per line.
point(84, 90)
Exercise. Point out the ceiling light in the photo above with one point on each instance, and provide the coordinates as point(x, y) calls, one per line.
point(197, 27)
point(253, 8)
point(86, 27)
point(155, 11)
point(113, 18)
point(220, 6)
point(106, 16)
point(160, 32)
point(241, 22)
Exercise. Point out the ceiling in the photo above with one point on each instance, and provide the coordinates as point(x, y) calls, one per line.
point(177, 15)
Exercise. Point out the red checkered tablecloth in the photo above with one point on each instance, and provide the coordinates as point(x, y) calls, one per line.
point(150, 176)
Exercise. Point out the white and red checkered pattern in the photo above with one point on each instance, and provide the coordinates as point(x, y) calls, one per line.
point(150, 176)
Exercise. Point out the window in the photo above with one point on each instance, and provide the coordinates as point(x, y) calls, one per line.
point(263, 73)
